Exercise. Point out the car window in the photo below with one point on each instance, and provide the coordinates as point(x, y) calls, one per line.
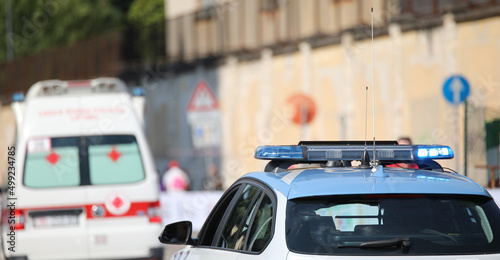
point(78, 161)
point(234, 229)
point(261, 228)
point(434, 224)
point(351, 215)
point(210, 226)
point(244, 218)
point(243, 231)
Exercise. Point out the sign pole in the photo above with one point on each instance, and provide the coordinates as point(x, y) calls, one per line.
point(465, 138)
point(456, 89)
point(457, 138)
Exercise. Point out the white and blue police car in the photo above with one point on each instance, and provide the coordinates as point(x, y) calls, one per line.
point(326, 200)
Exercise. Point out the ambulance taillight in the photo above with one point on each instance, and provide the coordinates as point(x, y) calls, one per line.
point(18, 219)
point(154, 212)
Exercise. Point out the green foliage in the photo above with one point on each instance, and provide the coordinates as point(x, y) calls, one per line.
point(146, 12)
point(39, 25)
point(42, 24)
point(147, 19)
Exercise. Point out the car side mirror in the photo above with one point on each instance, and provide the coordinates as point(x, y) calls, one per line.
point(178, 233)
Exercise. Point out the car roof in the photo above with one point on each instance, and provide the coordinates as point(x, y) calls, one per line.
point(353, 180)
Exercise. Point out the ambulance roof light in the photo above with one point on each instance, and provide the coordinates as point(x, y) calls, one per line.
point(18, 97)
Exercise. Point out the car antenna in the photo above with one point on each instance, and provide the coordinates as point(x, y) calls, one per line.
point(373, 99)
point(365, 159)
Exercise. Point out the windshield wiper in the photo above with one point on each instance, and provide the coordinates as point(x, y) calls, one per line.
point(400, 242)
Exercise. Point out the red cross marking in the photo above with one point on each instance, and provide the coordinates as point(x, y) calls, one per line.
point(117, 202)
point(52, 158)
point(114, 155)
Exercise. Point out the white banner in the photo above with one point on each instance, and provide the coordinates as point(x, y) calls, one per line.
point(188, 205)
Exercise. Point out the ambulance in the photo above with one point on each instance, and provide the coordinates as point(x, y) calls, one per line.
point(84, 185)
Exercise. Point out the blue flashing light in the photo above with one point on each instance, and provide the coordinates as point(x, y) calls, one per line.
point(138, 91)
point(422, 153)
point(432, 178)
point(18, 97)
point(279, 152)
point(434, 152)
point(334, 152)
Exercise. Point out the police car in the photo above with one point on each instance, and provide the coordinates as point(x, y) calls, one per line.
point(326, 200)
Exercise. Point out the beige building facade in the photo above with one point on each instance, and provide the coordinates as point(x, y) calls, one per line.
point(7, 138)
point(274, 50)
point(410, 69)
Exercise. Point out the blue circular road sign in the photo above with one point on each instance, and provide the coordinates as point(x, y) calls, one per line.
point(456, 89)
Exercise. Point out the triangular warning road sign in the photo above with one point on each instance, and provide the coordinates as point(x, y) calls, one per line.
point(203, 99)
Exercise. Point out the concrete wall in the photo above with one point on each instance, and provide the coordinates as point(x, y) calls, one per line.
point(248, 25)
point(7, 138)
point(174, 9)
point(167, 128)
point(410, 69)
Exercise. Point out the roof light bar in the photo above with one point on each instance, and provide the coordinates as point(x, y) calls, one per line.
point(138, 91)
point(434, 152)
point(353, 152)
point(51, 89)
point(18, 97)
point(279, 152)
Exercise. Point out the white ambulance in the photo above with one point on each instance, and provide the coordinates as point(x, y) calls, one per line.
point(85, 185)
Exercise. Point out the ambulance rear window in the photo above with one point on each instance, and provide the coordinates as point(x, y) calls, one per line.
point(57, 168)
point(82, 160)
point(105, 168)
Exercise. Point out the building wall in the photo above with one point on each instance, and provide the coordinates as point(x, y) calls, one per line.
point(410, 69)
point(169, 133)
point(174, 9)
point(7, 138)
point(228, 26)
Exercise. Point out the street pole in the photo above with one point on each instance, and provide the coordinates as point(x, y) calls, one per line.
point(465, 138)
point(457, 140)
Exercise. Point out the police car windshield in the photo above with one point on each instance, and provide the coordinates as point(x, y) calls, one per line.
point(82, 160)
point(364, 225)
